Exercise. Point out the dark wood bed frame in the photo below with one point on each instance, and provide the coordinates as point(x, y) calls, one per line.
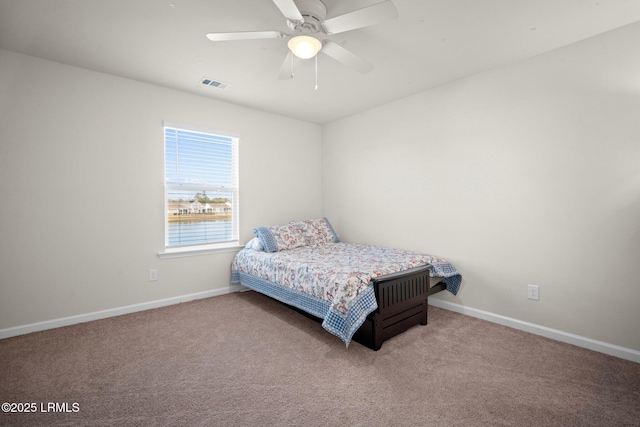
point(402, 303)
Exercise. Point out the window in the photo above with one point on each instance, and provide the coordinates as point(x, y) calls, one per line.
point(201, 189)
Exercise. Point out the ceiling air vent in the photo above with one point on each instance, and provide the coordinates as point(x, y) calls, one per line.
point(214, 83)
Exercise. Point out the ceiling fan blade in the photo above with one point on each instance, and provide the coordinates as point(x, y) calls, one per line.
point(370, 15)
point(346, 57)
point(289, 10)
point(245, 35)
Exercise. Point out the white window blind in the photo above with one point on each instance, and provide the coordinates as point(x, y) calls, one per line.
point(201, 188)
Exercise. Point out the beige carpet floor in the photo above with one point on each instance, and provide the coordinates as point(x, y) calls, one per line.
point(245, 360)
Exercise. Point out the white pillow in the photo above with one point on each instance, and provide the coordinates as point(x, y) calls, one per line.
point(254, 244)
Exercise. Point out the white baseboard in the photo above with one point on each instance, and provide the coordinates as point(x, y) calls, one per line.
point(577, 340)
point(81, 318)
point(554, 334)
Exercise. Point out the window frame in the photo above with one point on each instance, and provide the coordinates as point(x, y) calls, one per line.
point(210, 247)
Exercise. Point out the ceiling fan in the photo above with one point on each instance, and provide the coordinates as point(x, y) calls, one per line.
point(306, 19)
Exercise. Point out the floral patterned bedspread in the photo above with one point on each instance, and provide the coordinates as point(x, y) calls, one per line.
point(336, 275)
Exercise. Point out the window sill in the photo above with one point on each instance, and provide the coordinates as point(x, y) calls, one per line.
point(197, 250)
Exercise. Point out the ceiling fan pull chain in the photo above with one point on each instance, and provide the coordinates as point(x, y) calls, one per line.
point(316, 88)
point(291, 66)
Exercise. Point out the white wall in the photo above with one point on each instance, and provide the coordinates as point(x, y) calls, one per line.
point(529, 173)
point(81, 188)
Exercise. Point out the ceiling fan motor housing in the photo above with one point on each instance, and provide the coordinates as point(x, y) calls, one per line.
point(313, 12)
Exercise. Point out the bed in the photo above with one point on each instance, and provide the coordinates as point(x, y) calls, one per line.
point(361, 292)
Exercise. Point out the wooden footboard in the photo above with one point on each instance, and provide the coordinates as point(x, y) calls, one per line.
point(402, 303)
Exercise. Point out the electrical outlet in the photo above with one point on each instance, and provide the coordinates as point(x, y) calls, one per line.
point(153, 275)
point(533, 292)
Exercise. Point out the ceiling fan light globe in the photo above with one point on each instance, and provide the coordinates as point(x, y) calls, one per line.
point(304, 47)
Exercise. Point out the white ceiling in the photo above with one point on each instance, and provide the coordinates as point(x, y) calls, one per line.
point(432, 42)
